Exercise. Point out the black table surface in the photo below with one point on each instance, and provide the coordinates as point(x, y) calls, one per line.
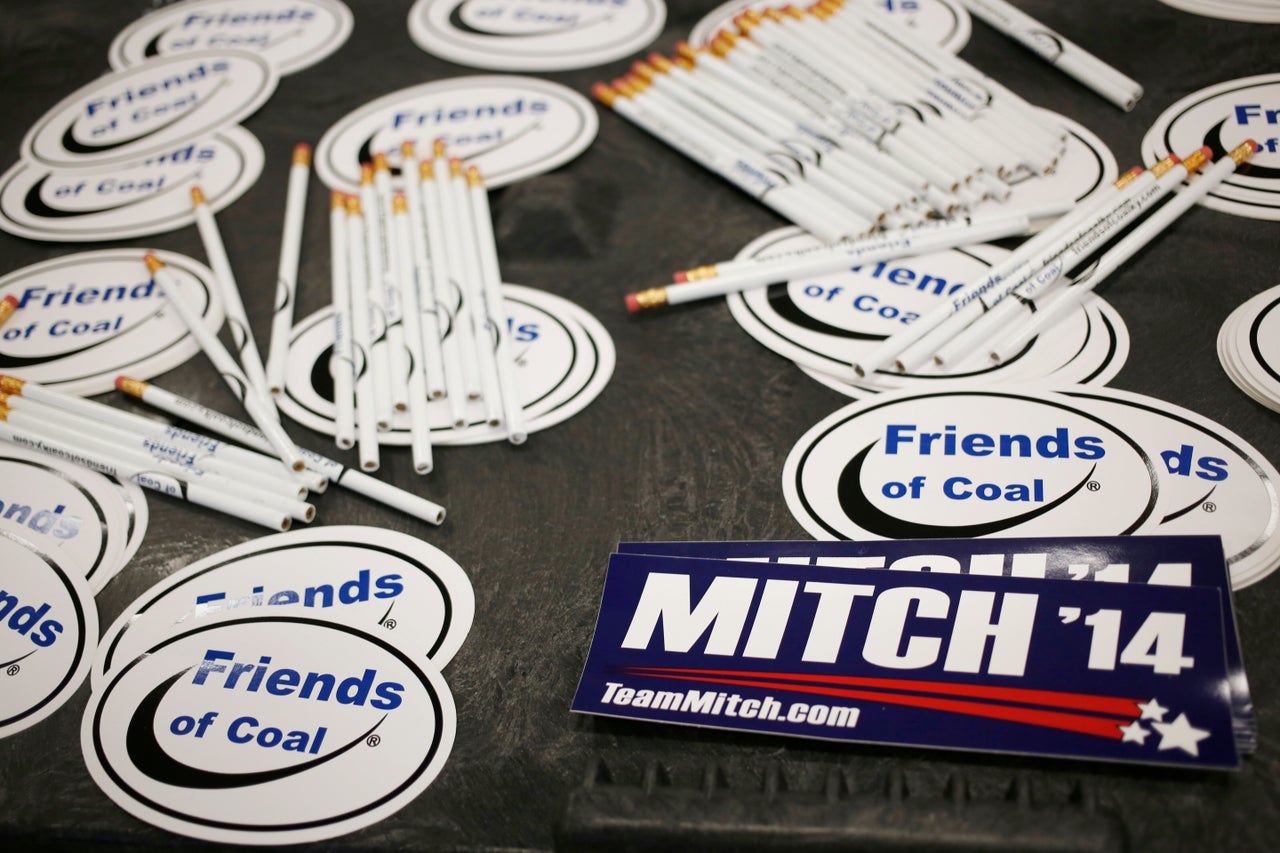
point(686, 442)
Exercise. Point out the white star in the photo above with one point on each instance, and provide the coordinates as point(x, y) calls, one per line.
point(1134, 732)
point(1152, 710)
point(1180, 734)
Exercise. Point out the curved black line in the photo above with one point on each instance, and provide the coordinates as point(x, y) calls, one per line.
point(149, 757)
point(855, 504)
point(8, 663)
point(285, 292)
point(98, 510)
point(153, 47)
point(1179, 513)
point(1255, 348)
point(455, 21)
point(383, 620)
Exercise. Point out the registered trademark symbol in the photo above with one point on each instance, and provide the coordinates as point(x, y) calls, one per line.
point(1209, 506)
point(373, 740)
point(390, 624)
point(13, 670)
point(1093, 485)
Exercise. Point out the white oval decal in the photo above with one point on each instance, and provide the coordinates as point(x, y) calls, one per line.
point(967, 463)
point(48, 629)
point(509, 127)
point(152, 196)
point(151, 108)
point(1222, 117)
point(288, 34)
point(535, 35)
point(378, 581)
point(268, 731)
point(83, 319)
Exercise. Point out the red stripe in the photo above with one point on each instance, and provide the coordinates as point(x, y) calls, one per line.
point(1096, 726)
point(1113, 705)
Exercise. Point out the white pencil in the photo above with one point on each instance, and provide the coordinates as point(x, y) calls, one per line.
point(1154, 225)
point(101, 413)
point(237, 319)
point(287, 272)
point(392, 296)
point(342, 365)
point(145, 475)
point(225, 365)
point(1059, 51)
point(150, 442)
point(361, 337)
point(450, 247)
point(375, 248)
point(824, 260)
point(416, 381)
point(423, 283)
point(450, 345)
point(336, 472)
point(495, 308)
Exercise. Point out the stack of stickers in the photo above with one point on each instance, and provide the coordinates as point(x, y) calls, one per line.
point(82, 319)
point(510, 128)
point(118, 157)
point(86, 523)
point(283, 691)
point(1249, 347)
point(997, 647)
point(1255, 11)
point(1223, 116)
point(979, 461)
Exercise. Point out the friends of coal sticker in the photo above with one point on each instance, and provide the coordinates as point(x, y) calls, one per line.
point(150, 196)
point(1111, 672)
point(563, 359)
point(48, 629)
point(271, 730)
point(83, 319)
point(509, 127)
point(67, 510)
point(1223, 116)
point(535, 35)
point(1163, 560)
point(127, 116)
point(289, 34)
point(376, 581)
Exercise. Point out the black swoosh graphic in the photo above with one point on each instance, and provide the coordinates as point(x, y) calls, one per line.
point(8, 663)
point(150, 758)
point(153, 46)
point(856, 505)
point(455, 21)
point(1176, 514)
point(35, 205)
point(74, 146)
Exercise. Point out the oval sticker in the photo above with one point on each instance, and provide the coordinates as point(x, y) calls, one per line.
point(289, 34)
point(67, 510)
point(535, 35)
point(48, 629)
point(151, 108)
point(83, 319)
point(941, 22)
point(509, 127)
point(268, 731)
point(563, 360)
point(152, 196)
point(1222, 117)
point(374, 580)
point(967, 463)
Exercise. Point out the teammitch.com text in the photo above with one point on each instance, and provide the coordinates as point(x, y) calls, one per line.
point(715, 703)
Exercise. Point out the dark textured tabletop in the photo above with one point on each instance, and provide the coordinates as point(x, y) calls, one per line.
point(687, 442)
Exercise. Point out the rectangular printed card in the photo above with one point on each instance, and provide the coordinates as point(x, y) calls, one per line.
point(1163, 560)
point(974, 662)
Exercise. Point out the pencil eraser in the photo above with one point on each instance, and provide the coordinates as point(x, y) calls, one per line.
point(12, 300)
point(120, 380)
point(633, 304)
point(680, 277)
point(1252, 143)
point(1207, 152)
